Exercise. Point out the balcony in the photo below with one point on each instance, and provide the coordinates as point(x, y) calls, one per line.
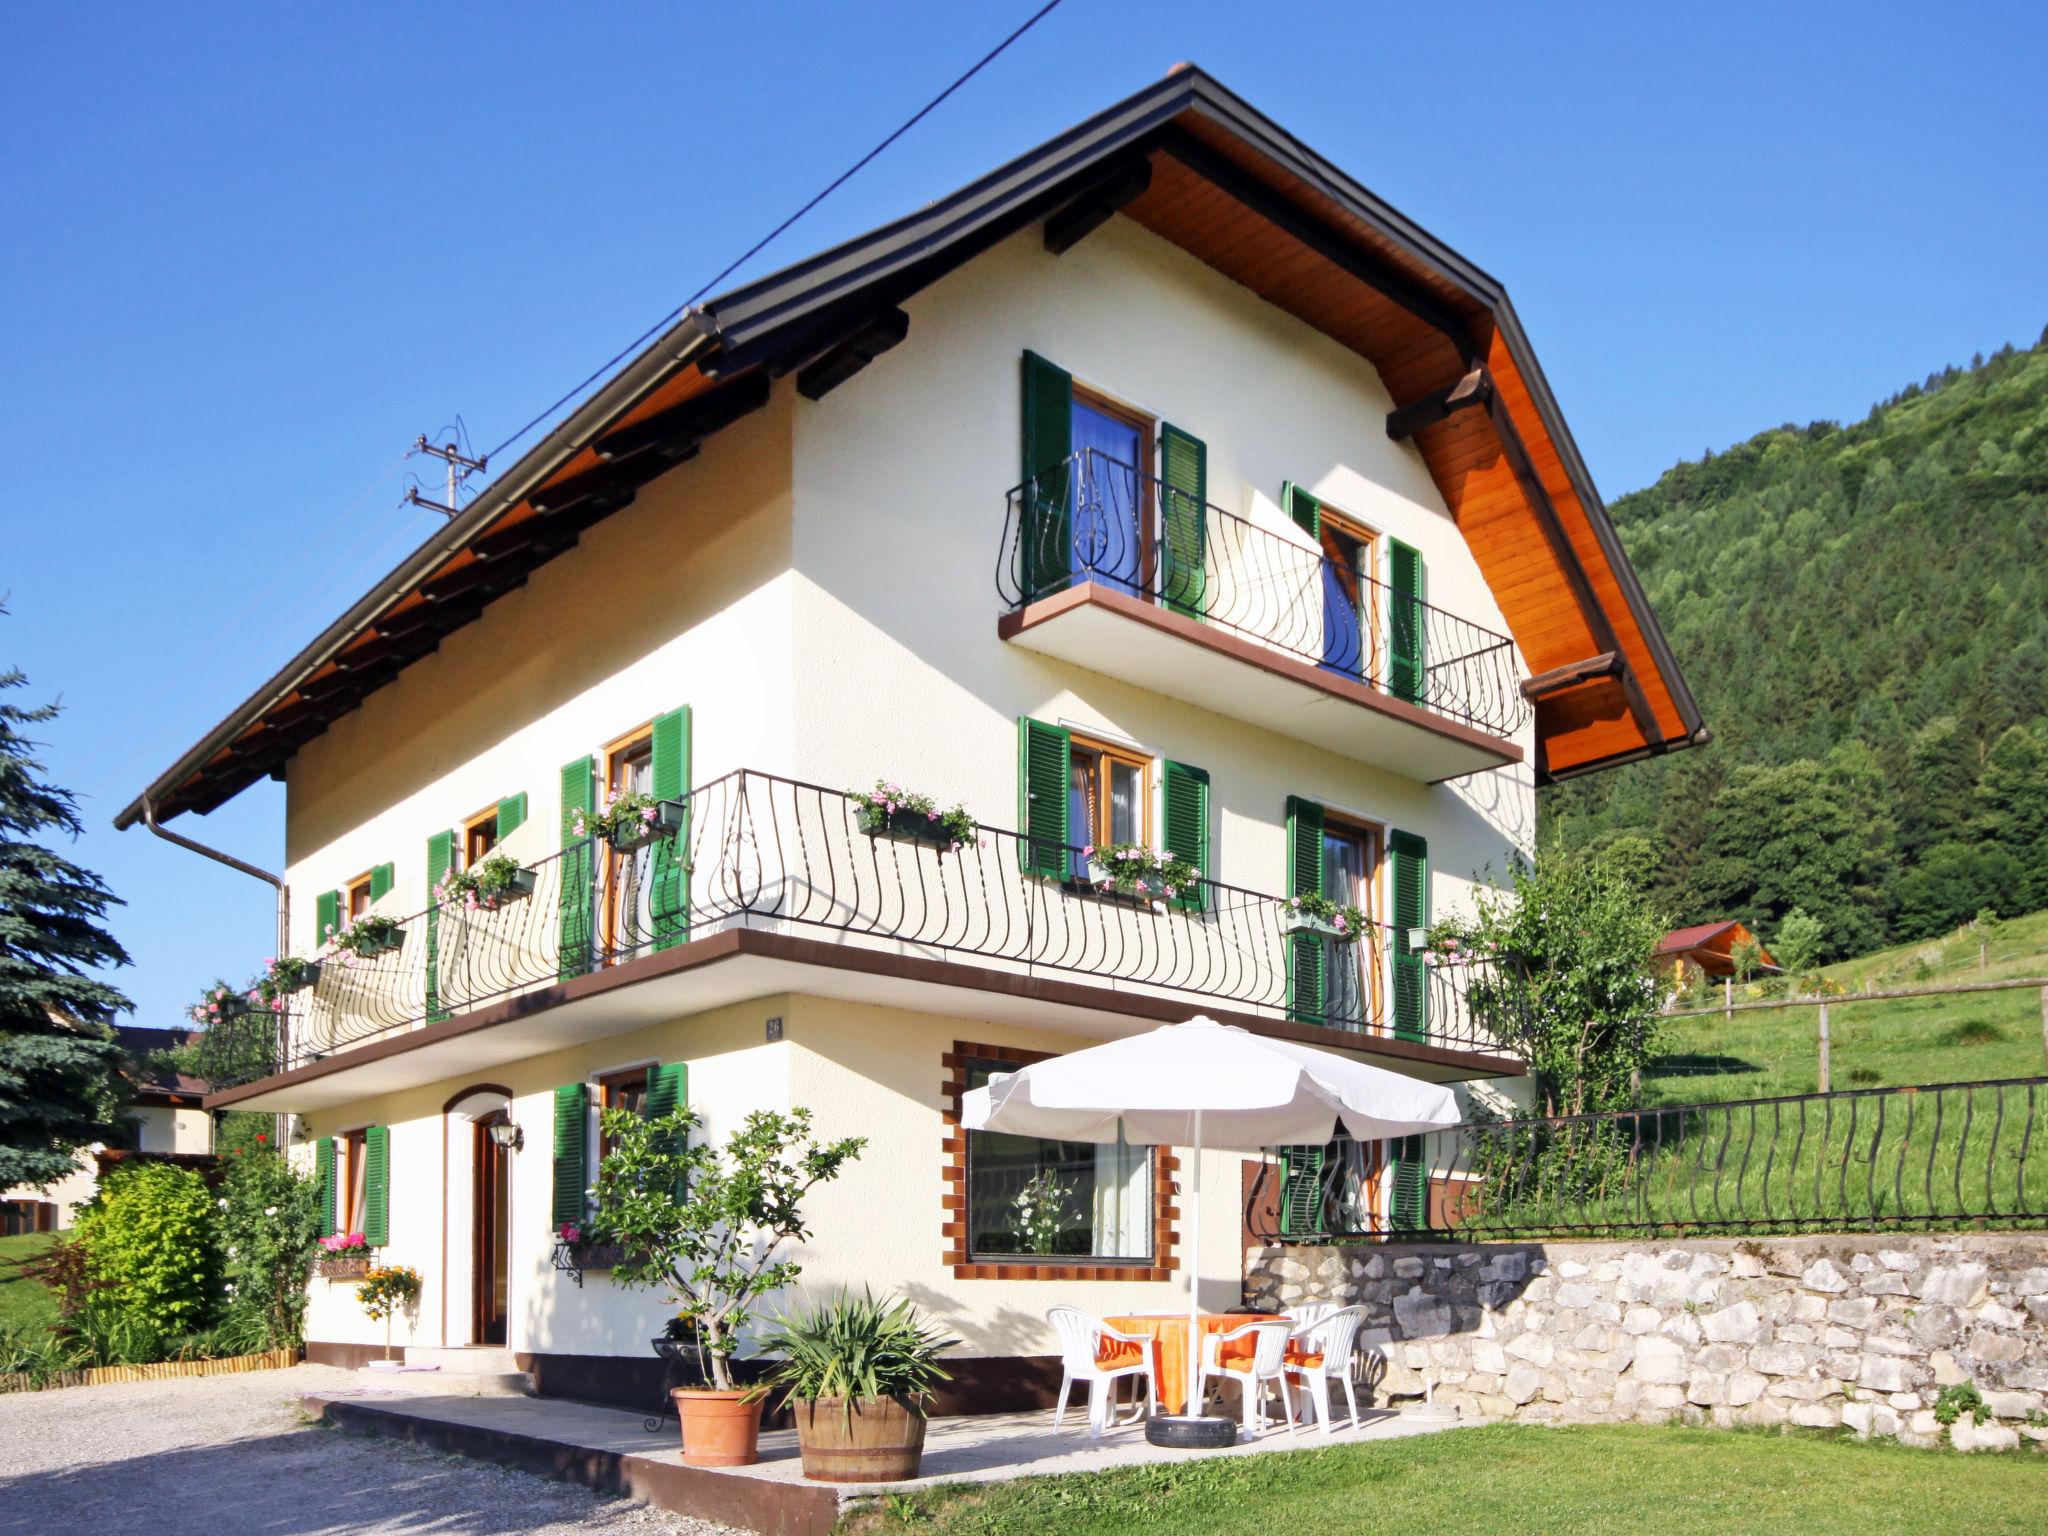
point(1113, 570)
point(771, 885)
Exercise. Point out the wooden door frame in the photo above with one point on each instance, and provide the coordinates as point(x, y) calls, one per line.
point(1147, 428)
point(485, 1154)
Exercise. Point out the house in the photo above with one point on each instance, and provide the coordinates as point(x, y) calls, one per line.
point(165, 1118)
point(1163, 488)
point(1708, 949)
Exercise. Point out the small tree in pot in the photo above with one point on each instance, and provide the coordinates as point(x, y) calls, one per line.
point(858, 1374)
point(709, 1226)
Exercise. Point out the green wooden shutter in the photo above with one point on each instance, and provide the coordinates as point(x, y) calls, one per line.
point(1410, 1194)
point(668, 896)
point(511, 814)
point(1301, 1191)
point(1408, 666)
point(1184, 519)
point(1048, 446)
point(578, 869)
point(323, 1176)
point(1408, 858)
point(1303, 507)
point(1044, 769)
point(440, 859)
point(1304, 878)
point(377, 1186)
point(326, 916)
point(382, 878)
point(1187, 825)
point(668, 1090)
point(572, 1159)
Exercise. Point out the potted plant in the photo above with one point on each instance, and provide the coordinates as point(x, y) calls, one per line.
point(366, 937)
point(858, 1375)
point(487, 885)
point(577, 1251)
point(708, 1225)
point(282, 976)
point(890, 810)
point(1319, 915)
point(348, 1256)
point(629, 821)
point(387, 1290)
point(219, 1001)
point(1132, 869)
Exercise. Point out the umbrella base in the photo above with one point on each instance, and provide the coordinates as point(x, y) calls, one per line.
point(1182, 1433)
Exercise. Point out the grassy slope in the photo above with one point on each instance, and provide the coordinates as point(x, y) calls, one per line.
point(24, 1303)
point(1590, 1482)
point(1891, 1043)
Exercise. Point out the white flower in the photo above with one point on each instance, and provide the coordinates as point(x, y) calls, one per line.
point(270, 1210)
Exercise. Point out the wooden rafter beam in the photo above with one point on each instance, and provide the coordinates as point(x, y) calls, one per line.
point(1320, 237)
point(1567, 556)
point(1474, 388)
point(1097, 205)
point(1557, 679)
point(840, 363)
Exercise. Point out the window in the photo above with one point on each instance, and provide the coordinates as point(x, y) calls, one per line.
point(618, 1090)
point(1111, 513)
point(1107, 799)
point(356, 896)
point(1351, 863)
point(354, 1162)
point(1035, 1198)
point(1351, 619)
point(479, 837)
point(628, 769)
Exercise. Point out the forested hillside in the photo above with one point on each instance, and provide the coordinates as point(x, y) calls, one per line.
point(1863, 614)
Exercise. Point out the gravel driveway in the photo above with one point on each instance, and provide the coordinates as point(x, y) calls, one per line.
point(233, 1456)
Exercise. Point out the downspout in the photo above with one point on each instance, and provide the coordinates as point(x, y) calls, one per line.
point(284, 914)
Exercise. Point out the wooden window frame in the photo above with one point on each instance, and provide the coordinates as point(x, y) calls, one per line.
point(1147, 426)
point(349, 910)
point(612, 862)
point(352, 1192)
point(1372, 623)
point(1131, 757)
point(1162, 1266)
point(1375, 834)
point(602, 1086)
point(471, 856)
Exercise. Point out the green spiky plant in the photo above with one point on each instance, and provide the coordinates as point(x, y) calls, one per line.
point(858, 1350)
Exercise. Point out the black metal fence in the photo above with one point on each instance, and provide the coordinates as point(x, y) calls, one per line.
point(760, 851)
point(1957, 1154)
point(1092, 519)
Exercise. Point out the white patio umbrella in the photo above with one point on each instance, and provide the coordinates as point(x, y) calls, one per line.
point(1203, 1083)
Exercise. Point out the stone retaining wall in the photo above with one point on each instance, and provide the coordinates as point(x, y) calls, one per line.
point(1855, 1331)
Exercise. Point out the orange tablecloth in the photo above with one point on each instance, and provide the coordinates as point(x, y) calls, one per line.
point(1169, 1335)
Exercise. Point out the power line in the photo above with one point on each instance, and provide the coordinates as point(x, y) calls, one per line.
point(768, 239)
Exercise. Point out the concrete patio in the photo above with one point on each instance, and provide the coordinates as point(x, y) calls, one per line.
point(612, 1450)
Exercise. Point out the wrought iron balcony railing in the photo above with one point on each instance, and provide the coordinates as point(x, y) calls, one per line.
point(762, 852)
point(1093, 519)
point(1870, 1159)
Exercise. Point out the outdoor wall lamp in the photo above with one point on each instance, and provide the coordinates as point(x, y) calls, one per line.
point(508, 1136)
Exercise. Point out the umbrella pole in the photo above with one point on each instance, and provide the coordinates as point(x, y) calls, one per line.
point(1193, 1406)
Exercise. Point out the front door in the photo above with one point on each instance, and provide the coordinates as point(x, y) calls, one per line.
point(491, 1264)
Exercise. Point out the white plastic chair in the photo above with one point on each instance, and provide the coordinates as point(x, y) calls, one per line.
point(1081, 1339)
point(1268, 1364)
point(1331, 1336)
point(1307, 1315)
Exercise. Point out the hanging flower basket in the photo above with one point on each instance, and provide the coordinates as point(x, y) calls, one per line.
point(1132, 869)
point(1322, 917)
point(217, 1003)
point(487, 885)
point(367, 937)
point(630, 821)
point(901, 815)
point(343, 1268)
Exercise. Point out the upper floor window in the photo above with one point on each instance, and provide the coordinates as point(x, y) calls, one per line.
point(1106, 797)
point(358, 895)
point(625, 1090)
point(1111, 529)
point(626, 921)
point(354, 1149)
point(479, 837)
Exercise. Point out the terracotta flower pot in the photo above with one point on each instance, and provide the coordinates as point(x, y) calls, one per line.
point(883, 1442)
point(720, 1429)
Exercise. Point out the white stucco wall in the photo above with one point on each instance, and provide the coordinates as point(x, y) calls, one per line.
point(899, 489)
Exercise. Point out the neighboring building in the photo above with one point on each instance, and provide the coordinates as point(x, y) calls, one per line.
point(1708, 949)
point(166, 1117)
point(1297, 577)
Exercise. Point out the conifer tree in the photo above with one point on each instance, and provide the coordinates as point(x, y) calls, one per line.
point(59, 1065)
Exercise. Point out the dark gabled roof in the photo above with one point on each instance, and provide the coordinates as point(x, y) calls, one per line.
point(1192, 162)
point(139, 1042)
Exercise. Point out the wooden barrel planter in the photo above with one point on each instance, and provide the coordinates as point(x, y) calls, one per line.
point(881, 1441)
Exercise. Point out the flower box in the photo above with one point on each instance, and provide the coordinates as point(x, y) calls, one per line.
point(519, 887)
point(307, 979)
point(904, 825)
point(668, 817)
point(351, 1268)
point(1302, 922)
point(579, 1258)
point(383, 943)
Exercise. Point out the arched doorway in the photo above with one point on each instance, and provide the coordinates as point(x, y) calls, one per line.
point(479, 1204)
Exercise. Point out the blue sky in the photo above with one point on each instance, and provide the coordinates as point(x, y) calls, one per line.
point(248, 253)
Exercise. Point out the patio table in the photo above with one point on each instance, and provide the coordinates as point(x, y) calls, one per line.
point(1168, 1332)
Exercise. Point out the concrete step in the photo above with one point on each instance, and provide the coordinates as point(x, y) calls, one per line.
point(476, 1371)
point(466, 1360)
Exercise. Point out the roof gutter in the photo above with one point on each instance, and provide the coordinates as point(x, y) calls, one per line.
point(695, 334)
point(284, 897)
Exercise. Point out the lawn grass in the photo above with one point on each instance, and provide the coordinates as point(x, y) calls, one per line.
point(1522, 1478)
point(25, 1304)
point(1887, 1043)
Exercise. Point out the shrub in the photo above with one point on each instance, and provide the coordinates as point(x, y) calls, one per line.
point(268, 1220)
point(149, 1241)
